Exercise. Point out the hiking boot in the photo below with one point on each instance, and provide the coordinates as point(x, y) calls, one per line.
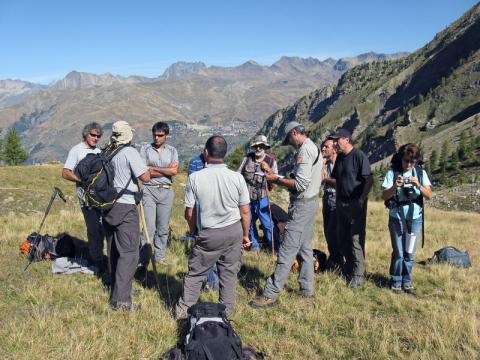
point(356, 282)
point(261, 302)
point(124, 306)
point(396, 289)
point(409, 289)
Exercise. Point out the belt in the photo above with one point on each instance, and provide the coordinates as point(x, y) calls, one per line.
point(160, 186)
point(304, 200)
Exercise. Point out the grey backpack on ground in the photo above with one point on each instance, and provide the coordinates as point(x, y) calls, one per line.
point(451, 255)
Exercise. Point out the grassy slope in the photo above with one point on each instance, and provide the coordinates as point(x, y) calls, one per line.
point(69, 317)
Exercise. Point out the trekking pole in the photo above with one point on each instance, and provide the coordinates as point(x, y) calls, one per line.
point(149, 243)
point(38, 238)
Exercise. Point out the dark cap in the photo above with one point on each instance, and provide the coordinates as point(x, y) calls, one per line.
point(341, 133)
point(289, 127)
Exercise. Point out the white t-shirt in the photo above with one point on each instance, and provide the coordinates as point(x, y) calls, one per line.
point(216, 192)
point(77, 153)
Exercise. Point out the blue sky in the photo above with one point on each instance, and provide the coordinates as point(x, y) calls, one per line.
point(42, 41)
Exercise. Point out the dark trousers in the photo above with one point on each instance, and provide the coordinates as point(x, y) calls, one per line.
point(330, 229)
point(95, 234)
point(123, 237)
point(352, 217)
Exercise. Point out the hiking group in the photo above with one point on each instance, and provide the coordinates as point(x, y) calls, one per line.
point(222, 207)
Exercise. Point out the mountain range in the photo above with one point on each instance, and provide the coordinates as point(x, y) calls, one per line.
point(196, 99)
point(429, 97)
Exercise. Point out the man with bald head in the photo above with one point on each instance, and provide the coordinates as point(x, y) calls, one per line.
point(217, 206)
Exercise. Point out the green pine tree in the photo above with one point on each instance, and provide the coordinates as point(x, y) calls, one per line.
point(463, 147)
point(455, 162)
point(433, 161)
point(12, 152)
point(234, 159)
point(444, 157)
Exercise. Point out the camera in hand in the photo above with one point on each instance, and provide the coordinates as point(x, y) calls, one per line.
point(408, 191)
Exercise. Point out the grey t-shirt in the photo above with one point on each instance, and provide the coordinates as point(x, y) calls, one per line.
point(308, 177)
point(216, 192)
point(77, 153)
point(127, 164)
point(163, 158)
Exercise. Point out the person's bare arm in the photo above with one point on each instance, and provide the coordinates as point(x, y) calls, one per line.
point(145, 176)
point(245, 220)
point(275, 179)
point(171, 170)
point(190, 217)
point(68, 174)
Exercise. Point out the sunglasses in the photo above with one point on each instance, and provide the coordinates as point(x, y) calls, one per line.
point(98, 136)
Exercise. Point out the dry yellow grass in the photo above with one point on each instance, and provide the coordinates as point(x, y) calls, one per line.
point(68, 316)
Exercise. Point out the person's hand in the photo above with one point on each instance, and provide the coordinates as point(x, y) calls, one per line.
point(399, 181)
point(173, 164)
point(246, 242)
point(265, 167)
point(271, 177)
point(414, 181)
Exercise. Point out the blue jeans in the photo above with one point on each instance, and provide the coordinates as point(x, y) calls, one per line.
point(402, 262)
point(259, 209)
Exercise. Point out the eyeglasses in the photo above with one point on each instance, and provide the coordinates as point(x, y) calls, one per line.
point(98, 136)
point(409, 161)
point(159, 135)
point(261, 146)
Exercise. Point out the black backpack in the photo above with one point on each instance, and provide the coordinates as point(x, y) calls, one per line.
point(96, 174)
point(211, 336)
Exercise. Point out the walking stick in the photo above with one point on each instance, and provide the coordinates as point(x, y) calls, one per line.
point(38, 238)
point(149, 243)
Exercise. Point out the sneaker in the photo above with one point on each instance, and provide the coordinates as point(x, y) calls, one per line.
point(162, 262)
point(409, 289)
point(397, 289)
point(261, 302)
point(356, 282)
point(124, 306)
point(180, 312)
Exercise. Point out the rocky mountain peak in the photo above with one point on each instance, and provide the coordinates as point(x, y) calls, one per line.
point(182, 68)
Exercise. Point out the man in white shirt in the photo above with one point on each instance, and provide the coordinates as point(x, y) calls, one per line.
point(91, 133)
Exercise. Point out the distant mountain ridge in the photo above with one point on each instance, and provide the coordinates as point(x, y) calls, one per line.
point(427, 97)
point(199, 99)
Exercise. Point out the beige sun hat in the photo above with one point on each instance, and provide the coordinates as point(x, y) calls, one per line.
point(260, 139)
point(122, 132)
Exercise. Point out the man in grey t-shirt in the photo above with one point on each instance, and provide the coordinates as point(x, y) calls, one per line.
point(91, 133)
point(121, 222)
point(304, 188)
point(162, 160)
point(217, 204)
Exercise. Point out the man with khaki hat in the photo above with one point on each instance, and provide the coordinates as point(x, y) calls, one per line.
point(254, 167)
point(304, 187)
point(121, 221)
